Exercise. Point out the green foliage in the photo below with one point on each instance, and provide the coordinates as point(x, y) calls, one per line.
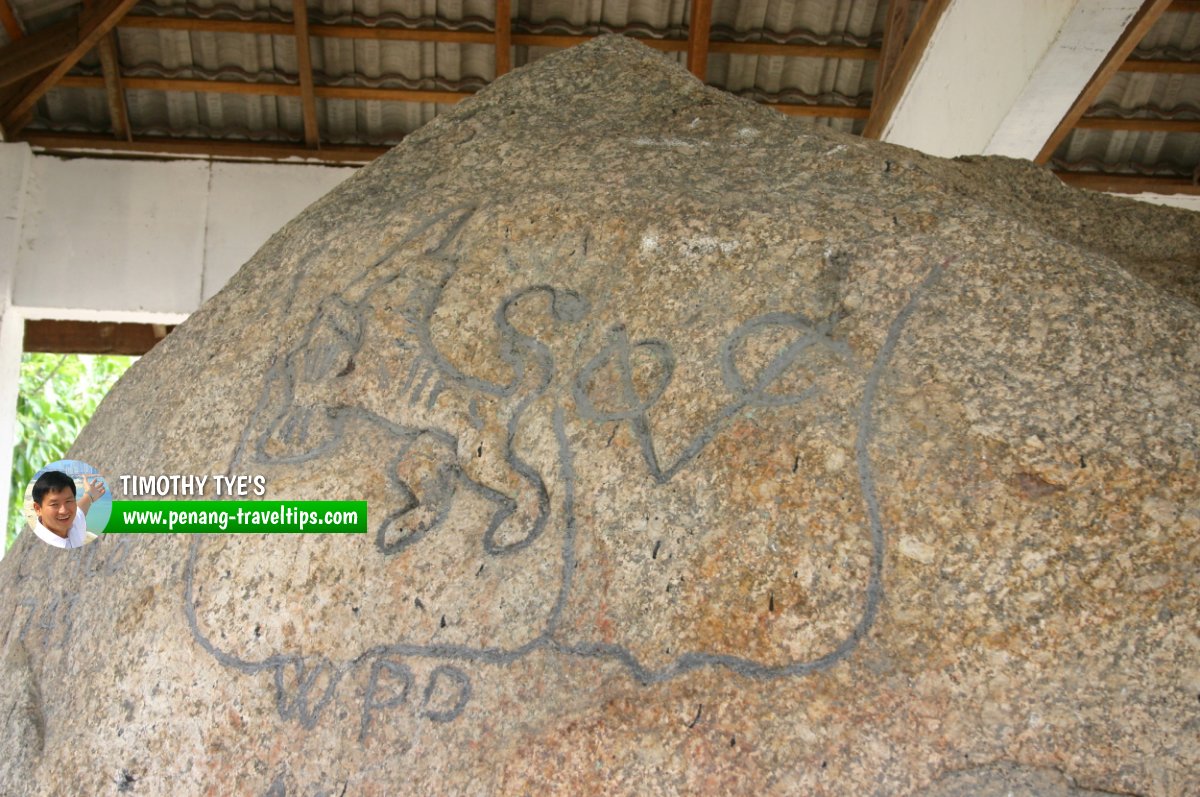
point(57, 395)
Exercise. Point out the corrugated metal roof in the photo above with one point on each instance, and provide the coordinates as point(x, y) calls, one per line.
point(1145, 95)
point(341, 63)
point(443, 66)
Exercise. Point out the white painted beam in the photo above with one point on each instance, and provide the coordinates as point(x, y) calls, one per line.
point(998, 77)
point(109, 236)
point(148, 241)
point(1185, 201)
point(1078, 49)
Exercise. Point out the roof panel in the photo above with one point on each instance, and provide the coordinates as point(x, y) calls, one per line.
point(371, 122)
point(341, 63)
point(83, 110)
point(1148, 97)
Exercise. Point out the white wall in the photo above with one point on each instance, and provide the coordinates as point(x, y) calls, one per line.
point(108, 236)
point(122, 240)
point(247, 203)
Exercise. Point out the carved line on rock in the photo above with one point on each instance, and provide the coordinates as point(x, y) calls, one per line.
point(463, 697)
point(866, 431)
point(394, 669)
point(514, 344)
point(465, 212)
point(635, 413)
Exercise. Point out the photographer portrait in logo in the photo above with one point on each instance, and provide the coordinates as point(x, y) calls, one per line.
point(68, 504)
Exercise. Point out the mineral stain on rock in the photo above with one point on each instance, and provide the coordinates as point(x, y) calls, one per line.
point(696, 447)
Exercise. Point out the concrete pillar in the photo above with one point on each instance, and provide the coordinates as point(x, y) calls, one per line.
point(16, 162)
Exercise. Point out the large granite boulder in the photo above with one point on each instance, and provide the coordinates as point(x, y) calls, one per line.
point(707, 452)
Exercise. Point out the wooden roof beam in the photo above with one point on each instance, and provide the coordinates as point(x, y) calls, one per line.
point(380, 94)
point(9, 20)
point(110, 64)
point(192, 24)
point(185, 84)
point(28, 55)
point(308, 98)
point(820, 111)
point(92, 337)
point(699, 29)
point(1129, 183)
point(503, 37)
point(885, 101)
point(1160, 66)
point(1139, 124)
point(343, 155)
point(727, 48)
point(270, 89)
point(895, 34)
point(1134, 32)
point(795, 50)
point(10, 98)
point(93, 24)
point(158, 146)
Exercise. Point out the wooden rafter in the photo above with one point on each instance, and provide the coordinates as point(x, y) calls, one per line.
point(93, 24)
point(110, 63)
point(92, 337)
point(726, 48)
point(570, 40)
point(699, 28)
point(1184, 7)
point(308, 97)
point(884, 103)
point(32, 54)
point(319, 31)
point(1137, 29)
point(183, 147)
point(391, 95)
point(14, 95)
point(503, 37)
point(895, 33)
point(9, 20)
point(1161, 67)
point(196, 25)
point(270, 89)
point(185, 84)
point(1129, 183)
point(1140, 125)
point(795, 50)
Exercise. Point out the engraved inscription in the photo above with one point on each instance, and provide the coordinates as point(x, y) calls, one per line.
point(455, 445)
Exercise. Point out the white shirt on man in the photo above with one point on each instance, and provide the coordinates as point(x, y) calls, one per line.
point(76, 537)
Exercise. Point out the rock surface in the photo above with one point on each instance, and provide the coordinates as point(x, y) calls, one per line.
point(707, 452)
